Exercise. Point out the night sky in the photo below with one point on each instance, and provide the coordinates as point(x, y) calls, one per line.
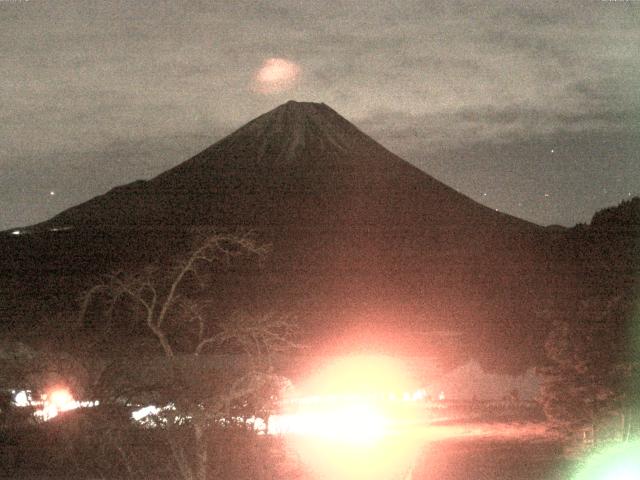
point(533, 110)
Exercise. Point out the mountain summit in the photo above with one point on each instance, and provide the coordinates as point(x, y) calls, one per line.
point(300, 162)
point(362, 241)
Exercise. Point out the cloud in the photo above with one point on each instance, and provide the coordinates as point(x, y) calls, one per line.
point(276, 75)
point(504, 158)
point(85, 76)
point(404, 133)
point(77, 176)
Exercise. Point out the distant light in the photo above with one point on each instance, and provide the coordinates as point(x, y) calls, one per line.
point(145, 412)
point(61, 398)
point(16, 232)
point(152, 416)
point(259, 425)
point(55, 402)
point(418, 395)
point(22, 399)
point(52, 193)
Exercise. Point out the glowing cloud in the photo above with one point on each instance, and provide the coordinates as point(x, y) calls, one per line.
point(276, 75)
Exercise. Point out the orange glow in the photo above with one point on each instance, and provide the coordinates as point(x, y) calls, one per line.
point(391, 457)
point(276, 75)
point(348, 421)
point(55, 402)
point(361, 375)
point(61, 399)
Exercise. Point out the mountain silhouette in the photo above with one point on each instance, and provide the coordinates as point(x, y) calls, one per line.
point(299, 163)
point(368, 251)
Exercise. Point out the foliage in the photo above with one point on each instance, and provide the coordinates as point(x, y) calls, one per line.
point(589, 378)
point(624, 216)
point(104, 443)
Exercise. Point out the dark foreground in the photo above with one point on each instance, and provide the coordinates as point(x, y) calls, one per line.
point(456, 458)
point(489, 459)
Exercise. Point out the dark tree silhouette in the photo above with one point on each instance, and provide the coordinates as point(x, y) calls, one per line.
point(212, 371)
point(589, 380)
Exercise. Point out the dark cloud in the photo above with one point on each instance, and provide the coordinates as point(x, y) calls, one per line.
point(559, 177)
point(101, 77)
point(77, 176)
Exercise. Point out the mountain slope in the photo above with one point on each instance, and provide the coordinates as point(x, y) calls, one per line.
point(366, 247)
point(290, 164)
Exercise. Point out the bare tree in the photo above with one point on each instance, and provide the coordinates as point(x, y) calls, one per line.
point(172, 302)
point(160, 293)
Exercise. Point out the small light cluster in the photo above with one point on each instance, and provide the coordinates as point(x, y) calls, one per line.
point(51, 404)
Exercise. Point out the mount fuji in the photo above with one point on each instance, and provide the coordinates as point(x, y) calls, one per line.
point(365, 246)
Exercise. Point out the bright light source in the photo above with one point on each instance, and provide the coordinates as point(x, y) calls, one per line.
point(373, 375)
point(353, 399)
point(419, 395)
point(22, 398)
point(145, 412)
point(258, 424)
point(353, 424)
point(55, 402)
point(620, 462)
point(347, 421)
point(61, 399)
point(152, 416)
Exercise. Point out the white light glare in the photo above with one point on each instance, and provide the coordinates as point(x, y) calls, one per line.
point(145, 412)
point(22, 398)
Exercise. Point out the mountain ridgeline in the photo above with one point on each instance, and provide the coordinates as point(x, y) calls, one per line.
point(367, 251)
